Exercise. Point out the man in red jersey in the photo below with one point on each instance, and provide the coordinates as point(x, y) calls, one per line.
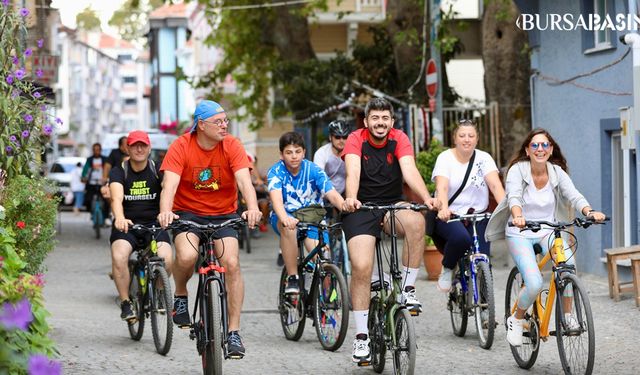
point(202, 172)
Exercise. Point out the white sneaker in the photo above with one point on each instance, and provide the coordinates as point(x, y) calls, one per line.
point(361, 351)
point(571, 322)
point(514, 331)
point(409, 299)
point(444, 281)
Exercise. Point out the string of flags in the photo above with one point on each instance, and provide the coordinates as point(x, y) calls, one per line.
point(326, 111)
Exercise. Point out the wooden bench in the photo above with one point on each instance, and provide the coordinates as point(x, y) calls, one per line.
point(613, 257)
point(635, 271)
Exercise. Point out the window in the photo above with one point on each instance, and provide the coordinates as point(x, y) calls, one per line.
point(129, 80)
point(130, 101)
point(122, 58)
point(594, 41)
point(601, 38)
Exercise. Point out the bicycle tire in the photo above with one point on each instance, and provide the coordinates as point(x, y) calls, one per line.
point(405, 333)
point(247, 233)
point(161, 303)
point(292, 311)
point(136, 328)
point(575, 356)
point(212, 355)
point(485, 311)
point(457, 306)
point(526, 354)
point(377, 342)
point(97, 217)
point(337, 295)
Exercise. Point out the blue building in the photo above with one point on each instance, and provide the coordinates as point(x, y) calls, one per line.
point(170, 98)
point(582, 80)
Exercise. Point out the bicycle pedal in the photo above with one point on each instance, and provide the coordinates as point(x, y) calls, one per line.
point(184, 326)
point(414, 312)
point(364, 363)
point(132, 321)
point(235, 356)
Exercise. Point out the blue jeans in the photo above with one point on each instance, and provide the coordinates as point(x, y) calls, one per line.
point(458, 239)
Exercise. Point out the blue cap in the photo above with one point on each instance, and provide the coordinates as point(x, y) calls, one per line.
point(204, 110)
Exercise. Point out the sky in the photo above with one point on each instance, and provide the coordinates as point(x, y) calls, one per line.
point(104, 9)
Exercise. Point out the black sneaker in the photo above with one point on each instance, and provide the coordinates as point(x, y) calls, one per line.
point(280, 261)
point(181, 311)
point(235, 349)
point(293, 285)
point(126, 311)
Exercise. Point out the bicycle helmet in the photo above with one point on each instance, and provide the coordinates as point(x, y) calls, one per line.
point(339, 128)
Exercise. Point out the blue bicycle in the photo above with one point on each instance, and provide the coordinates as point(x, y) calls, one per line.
point(97, 213)
point(472, 288)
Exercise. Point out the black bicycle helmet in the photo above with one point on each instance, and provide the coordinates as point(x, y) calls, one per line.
point(339, 128)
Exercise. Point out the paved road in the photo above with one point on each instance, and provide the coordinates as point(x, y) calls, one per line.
point(93, 340)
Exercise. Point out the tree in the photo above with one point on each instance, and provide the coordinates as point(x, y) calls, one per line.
point(507, 70)
point(132, 17)
point(88, 20)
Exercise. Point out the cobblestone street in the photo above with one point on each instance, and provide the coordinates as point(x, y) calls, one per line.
point(92, 339)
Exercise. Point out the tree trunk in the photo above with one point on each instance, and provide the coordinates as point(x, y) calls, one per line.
point(291, 34)
point(507, 70)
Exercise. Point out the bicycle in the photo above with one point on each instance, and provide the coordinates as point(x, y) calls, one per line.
point(576, 347)
point(97, 213)
point(244, 233)
point(150, 291)
point(210, 327)
point(472, 288)
point(327, 300)
point(390, 324)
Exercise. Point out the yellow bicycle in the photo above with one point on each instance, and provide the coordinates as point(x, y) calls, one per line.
point(575, 333)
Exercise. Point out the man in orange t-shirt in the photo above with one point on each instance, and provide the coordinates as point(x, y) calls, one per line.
point(201, 172)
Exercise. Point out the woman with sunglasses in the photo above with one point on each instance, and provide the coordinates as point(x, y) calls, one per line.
point(460, 195)
point(538, 188)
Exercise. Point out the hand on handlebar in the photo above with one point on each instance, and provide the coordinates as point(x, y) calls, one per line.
point(351, 204)
point(519, 221)
point(122, 224)
point(444, 214)
point(597, 216)
point(289, 223)
point(252, 217)
point(166, 218)
point(433, 203)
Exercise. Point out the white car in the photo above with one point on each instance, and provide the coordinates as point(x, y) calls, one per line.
point(60, 172)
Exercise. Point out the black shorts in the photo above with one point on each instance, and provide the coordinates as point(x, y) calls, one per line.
point(222, 233)
point(138, 240)
point(363, 222)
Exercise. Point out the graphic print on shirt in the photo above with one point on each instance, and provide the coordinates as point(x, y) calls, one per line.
point(477, 179)
point(207, 178)
point(139, 191)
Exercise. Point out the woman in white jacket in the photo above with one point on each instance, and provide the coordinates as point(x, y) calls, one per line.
point(537, 188)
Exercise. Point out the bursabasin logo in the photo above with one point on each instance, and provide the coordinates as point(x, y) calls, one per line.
point(572, 22)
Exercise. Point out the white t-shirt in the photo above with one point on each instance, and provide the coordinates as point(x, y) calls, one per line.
point(538, 205)
point(332, 165)
point(476, 192)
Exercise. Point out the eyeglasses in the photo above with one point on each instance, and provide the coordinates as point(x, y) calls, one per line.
point(545, 145)
point(340, 136)
point(218, 122)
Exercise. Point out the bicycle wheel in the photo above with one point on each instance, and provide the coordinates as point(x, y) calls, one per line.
point(457, 306)
point(136, 327)
point(161, 322)
point(291, 310)
point(526, 354)
point(212, 356)
point(576, 345)
point(331, 307)
point(97, 217)
point(377, 343)
point(404, 352)
point(485, 311)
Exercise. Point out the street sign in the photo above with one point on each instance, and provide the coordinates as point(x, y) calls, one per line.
point(432, 78)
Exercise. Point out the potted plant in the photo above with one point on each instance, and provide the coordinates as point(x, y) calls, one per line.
point(425, 161)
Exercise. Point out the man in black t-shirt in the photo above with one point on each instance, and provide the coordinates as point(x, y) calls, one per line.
point(116, 156)
point(135, 199)
point(377, 159)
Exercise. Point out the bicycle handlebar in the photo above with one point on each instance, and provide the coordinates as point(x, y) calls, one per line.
point(394, 207)
point(536, 225)
point(469, 217)
point(146, 228)
point(322, 226)
point(206, 227)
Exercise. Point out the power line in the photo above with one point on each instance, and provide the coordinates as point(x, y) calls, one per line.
point(268, 5)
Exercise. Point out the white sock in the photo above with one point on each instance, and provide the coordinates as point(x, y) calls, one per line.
point(409, 276)
point(361, 316)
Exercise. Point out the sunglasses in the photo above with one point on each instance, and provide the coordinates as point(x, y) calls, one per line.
point(465, 121)
point(545, 145)
point(340, 136)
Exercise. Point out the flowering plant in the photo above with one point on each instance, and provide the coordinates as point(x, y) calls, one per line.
point(25, 125)
point(169, 127)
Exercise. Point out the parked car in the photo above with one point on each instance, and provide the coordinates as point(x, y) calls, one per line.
point(60, 172)
point(159, 143)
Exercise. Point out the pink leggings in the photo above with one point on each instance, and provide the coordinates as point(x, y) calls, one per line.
point(521, 249)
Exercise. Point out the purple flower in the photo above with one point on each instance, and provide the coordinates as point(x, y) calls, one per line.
point(18, 315)
point(9, 151)
point(13, 138)
point(24, 12)
point(40, 364)
point(5, 2)
point(36, 95)
point(19, 73)
point(28, 52)
point(47, 129)
point(10, 79)
point(28, 118)
point(15, 94)
point(58, 121)
point(40, 43)
point(25, 133)
point(43, 108)
point(39, 73)
point(15, 60)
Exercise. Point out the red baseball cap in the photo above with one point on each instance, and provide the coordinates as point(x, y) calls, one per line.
point(138, 136)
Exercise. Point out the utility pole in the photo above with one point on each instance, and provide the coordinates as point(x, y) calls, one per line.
point(436, 115)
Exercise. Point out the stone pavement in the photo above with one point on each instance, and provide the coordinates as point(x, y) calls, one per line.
point(92, 339)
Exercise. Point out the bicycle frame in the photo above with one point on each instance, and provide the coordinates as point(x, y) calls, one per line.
point(316, 251)
point(148, 258)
